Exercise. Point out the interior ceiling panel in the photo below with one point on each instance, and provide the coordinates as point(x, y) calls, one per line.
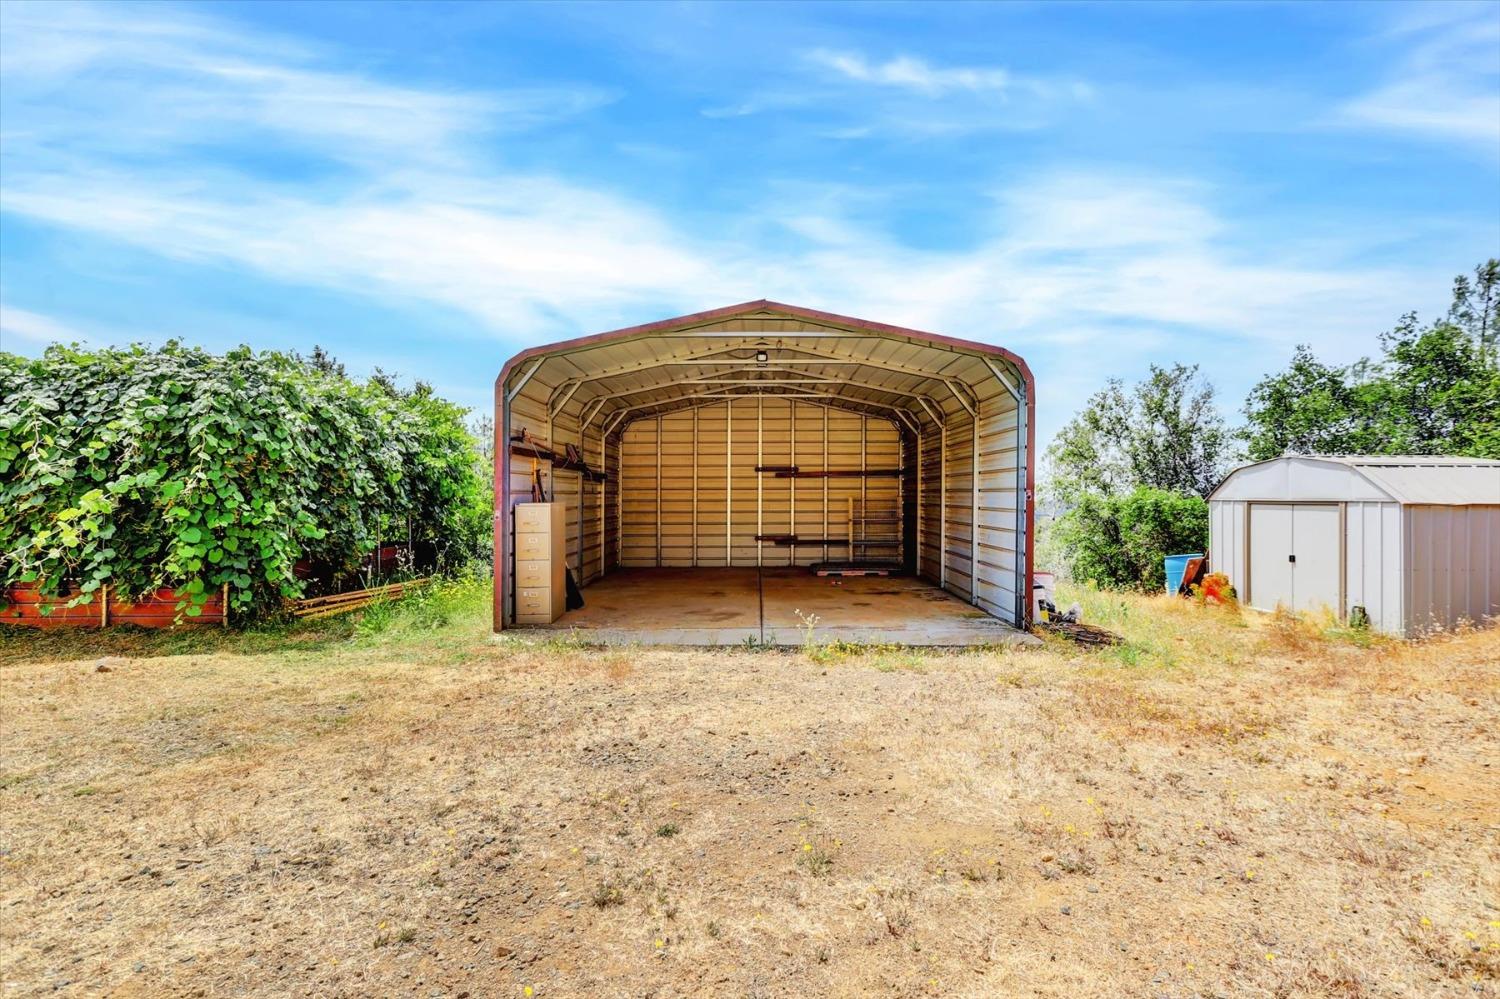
point(763, 348)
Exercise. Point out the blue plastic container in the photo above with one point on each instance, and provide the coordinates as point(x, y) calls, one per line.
point(1176, 566)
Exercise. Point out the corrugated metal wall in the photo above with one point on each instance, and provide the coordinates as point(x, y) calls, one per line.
point(958, 504)
point(930, 515)
point(584, 500)
point(1226, 543)
point(1452, 555)
point(950, 502)
point(703, 503)
point(1001, 504)
point(1372, 563)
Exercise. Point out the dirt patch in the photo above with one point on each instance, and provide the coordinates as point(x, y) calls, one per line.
point(441, 814)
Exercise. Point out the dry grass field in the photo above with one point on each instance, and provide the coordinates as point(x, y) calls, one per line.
point(1226, 806)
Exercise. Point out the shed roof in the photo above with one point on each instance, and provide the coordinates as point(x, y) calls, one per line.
point(1427, 480)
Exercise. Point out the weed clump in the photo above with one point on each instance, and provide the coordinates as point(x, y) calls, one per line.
point(607, 894)
point(816, 859)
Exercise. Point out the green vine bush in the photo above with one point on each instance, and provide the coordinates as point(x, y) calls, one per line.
point(144, 467)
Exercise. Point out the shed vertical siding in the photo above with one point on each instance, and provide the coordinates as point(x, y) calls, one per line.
point(775, 494)
point(611, 493)
point(880, 497)
point(1227, 543)
point(744, 489)
point(638, 494)
point(592, 449)
point(1452, 560)
point(675, 480)
point(1373, 561)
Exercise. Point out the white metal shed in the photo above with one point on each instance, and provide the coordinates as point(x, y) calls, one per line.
point(1413, 540)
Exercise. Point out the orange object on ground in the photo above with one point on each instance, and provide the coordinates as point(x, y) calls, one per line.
point(23, 605)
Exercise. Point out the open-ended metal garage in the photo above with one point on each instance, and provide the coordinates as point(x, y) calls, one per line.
point(738, 473)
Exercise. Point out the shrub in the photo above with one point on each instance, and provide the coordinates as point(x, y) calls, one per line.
point(142, 468)
point(1119, 541)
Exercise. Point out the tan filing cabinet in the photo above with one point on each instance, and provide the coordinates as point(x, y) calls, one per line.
point(541, 562)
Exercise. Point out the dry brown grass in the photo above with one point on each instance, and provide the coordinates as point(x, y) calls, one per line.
point(1225, 806)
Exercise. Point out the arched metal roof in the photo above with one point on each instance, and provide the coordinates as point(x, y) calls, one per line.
point(1426, 480)
point(605, 381)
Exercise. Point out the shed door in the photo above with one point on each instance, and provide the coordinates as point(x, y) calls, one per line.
point(1270, 544)
point(1315, 542)
point(1295, 553)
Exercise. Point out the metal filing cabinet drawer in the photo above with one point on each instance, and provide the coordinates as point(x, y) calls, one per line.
point(540, 518)
point(533, 547)
point(534, 602)
point(533, 572)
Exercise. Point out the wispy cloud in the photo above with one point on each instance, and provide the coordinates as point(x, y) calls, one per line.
point(910, 73)
point(165, 159)
point(847, 95)
point(35, 328)
point(1445, 82)
point(161, 83)
point(397, 204)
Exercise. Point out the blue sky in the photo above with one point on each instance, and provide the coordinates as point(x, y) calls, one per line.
point(431, 187)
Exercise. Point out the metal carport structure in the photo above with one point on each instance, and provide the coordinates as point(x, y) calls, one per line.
point(687, 418)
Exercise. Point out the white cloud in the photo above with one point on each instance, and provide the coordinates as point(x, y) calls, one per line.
point(161, 84)
point(1090, 271)
point(906, 71)
point(34, 328)
point(910, 73)
point(850, 96)
point(1446, 79)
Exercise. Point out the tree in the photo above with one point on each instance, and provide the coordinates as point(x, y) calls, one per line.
point(1433, 391)
point(1119, 541)
point(483, 431)
point(1166, 433)
point(1310, 408)
point(1132, 469)
point(1440, 395)
point(322, 360)
point(1476, 308)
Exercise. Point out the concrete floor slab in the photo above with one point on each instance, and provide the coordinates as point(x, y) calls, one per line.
point(726, 607)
